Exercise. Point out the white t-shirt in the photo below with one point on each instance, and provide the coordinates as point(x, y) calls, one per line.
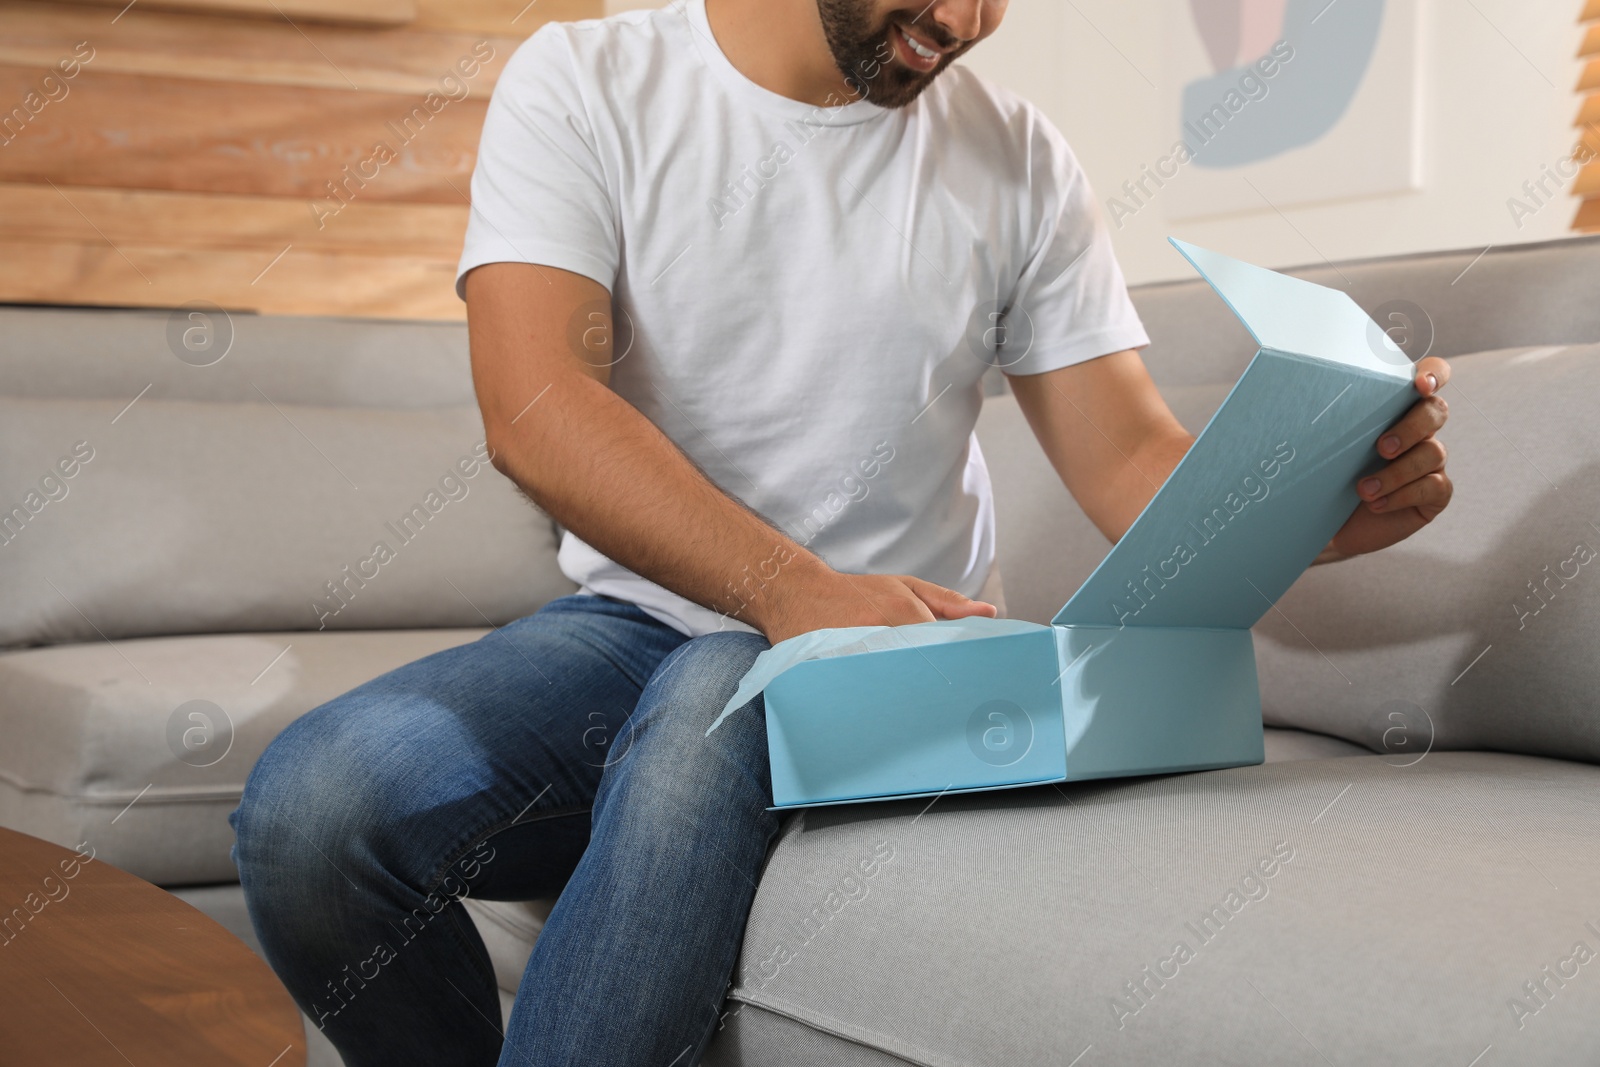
point(813, 291)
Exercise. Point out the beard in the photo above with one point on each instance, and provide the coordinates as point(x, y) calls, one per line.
point(865, 52)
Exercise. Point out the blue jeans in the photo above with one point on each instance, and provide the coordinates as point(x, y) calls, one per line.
point(563, 753)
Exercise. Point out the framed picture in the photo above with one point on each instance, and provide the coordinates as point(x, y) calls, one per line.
point(1273, 103)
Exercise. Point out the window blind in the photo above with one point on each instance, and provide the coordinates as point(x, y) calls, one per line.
point(1587, 183)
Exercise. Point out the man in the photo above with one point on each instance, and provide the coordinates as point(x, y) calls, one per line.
point(819, 232)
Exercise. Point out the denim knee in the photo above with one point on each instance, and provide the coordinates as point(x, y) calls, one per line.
point(690, 688)
point(292, 804)
point(669, 757)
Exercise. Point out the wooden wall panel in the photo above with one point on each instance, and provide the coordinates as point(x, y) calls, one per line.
point(122, 217)
point(270, 53)
point(189, 158)
point(1588, 181)
point(517, 18)
point(138, 131)
point(368, 12)
point(300, 283)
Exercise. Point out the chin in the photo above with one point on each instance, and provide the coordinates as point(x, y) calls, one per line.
point(897, 87)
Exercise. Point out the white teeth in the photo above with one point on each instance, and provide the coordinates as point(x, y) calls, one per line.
point(925, 53)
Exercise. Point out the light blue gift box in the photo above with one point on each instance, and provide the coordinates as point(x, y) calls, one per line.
point(1150, 667)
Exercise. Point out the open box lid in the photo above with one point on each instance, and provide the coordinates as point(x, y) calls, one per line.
point(1272, 476)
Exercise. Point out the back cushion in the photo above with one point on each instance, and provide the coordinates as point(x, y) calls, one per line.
point(1480, 631)
point(173, 516)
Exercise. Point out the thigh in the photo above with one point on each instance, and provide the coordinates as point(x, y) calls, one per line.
point(666, 762)
point(507, 737)
point(632, 965)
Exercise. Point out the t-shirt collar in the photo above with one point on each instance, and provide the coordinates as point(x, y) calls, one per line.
point(705, 43)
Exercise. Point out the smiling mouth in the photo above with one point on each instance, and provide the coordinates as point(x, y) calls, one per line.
point(917, 46)
point(913, 52)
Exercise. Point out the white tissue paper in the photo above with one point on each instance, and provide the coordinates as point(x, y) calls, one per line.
point(844, 641)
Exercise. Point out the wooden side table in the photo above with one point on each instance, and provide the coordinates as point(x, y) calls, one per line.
point(100, 967)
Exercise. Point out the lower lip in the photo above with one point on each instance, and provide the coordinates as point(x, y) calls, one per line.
point(908, 56)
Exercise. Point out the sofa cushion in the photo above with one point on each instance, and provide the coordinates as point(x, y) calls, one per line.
point(1341, 911)
point(101, 744)
point(170, 517)
point(1479, 631)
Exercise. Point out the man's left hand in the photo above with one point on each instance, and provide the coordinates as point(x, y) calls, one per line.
point(1413, 489)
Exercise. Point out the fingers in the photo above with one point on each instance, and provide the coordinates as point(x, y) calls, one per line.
point(1431, 491)
point(947, 603)
point(924, 611)
point(1424, 458)
point(886, 602)
point(1426, 417)
point(1432, 374)
point(1429, 494)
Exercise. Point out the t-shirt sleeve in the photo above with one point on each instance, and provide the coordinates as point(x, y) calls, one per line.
point(1071, 303)
point(539, 192)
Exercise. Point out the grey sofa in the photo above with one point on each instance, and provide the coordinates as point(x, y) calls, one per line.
point(1412, 876)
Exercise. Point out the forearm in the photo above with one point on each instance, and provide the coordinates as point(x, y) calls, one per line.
point(601, 469)
point(1129, 486)
point(596, 465)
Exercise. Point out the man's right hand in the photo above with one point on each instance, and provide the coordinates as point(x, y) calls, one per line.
point(798, 603)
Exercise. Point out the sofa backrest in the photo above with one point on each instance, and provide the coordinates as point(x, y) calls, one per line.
point(211, 355)
point(1438, 303)
point(196, 472)
point(413, 382)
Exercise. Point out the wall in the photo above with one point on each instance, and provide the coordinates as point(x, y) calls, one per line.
point(314, 163)
point(1497, 105)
